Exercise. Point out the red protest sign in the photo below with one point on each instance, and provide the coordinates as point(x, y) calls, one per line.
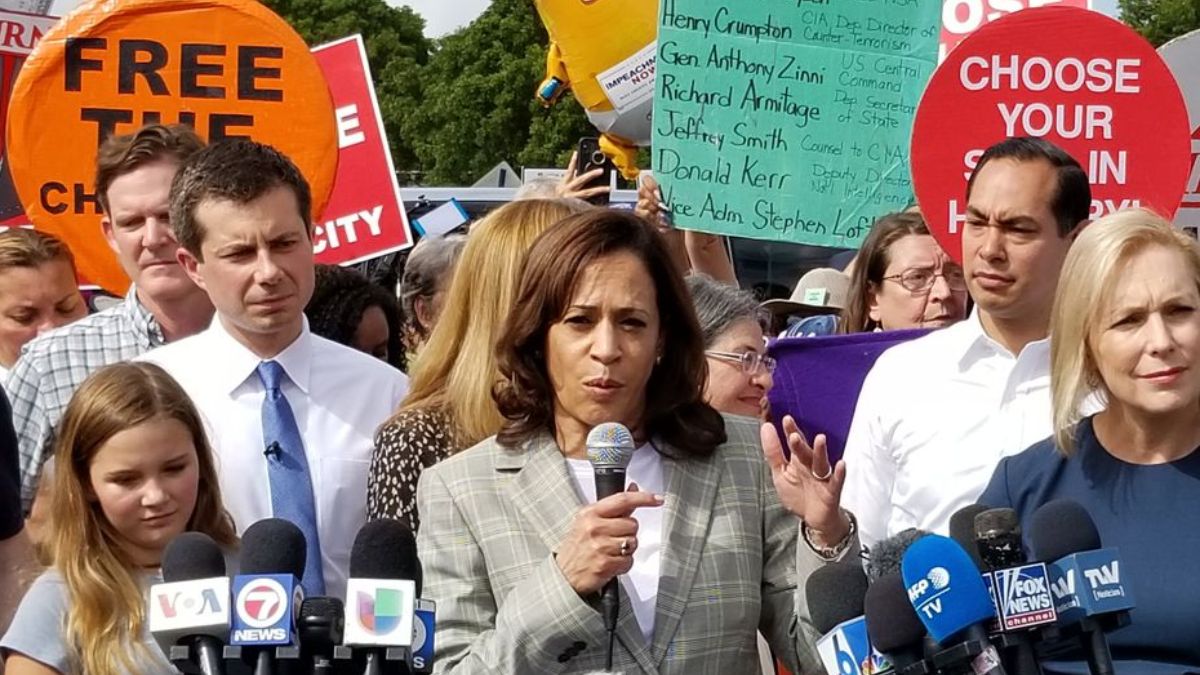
point(19, 34)
point(960, 18)
point(365, 216)
point(1084, 81)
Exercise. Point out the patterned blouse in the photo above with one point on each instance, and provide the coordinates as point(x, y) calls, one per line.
point(406, 446)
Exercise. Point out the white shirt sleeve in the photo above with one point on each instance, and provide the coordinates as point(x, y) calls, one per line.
point(870, 463)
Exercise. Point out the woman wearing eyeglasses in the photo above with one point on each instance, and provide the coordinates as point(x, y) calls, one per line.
point(903, 279)
point(732, 323)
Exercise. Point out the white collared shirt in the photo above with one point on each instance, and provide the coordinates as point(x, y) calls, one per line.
point(641, 583)
point(934, 418)
point(339, 397)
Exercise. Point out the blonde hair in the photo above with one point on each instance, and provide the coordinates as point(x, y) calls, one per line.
point(23, 247)
point(457, 368)
point(1095, 262)
point(106, 612)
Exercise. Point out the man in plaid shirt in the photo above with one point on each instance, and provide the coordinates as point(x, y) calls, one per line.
point(133, 183)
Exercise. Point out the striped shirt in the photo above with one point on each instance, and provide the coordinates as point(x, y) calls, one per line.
point(53, 365)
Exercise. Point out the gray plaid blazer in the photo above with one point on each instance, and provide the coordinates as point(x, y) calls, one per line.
point(491, 519)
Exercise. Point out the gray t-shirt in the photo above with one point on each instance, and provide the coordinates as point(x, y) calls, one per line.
point(38, 626)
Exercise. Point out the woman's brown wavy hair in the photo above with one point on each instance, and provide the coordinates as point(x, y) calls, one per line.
point(675, 409)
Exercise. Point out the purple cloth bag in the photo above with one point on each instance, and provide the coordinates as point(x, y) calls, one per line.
point(818, 379)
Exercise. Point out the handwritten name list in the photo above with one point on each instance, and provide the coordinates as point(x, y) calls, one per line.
point(789, 119)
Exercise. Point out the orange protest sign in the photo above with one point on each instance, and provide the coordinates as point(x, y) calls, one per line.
point(227, 68)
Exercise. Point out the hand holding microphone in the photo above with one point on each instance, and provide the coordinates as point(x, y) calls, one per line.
point(602, 539)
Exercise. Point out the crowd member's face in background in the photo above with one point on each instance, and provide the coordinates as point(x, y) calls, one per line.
point(1148, 335)
point(601, 353)
point(940, 298)
point(145, 480)
point(1012, 249)
point(372, 333)
point(256, 265)
point(731, 388)
point(138, 229)
point(34, 300)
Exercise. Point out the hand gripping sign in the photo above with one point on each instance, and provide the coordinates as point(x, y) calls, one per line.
point(1084, 81)
point(228, 68)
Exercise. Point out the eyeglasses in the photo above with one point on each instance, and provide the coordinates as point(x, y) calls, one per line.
point(752, 363)
point(921, 280)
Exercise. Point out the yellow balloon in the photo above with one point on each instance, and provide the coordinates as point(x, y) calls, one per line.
point(604, 50)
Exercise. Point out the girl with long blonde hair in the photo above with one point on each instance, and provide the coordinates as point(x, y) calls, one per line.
point(449, 406)
point(134, 470)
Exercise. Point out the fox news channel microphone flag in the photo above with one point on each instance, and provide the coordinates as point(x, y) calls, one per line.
point(788, 122)
point(226, 67)
point(1078, 78)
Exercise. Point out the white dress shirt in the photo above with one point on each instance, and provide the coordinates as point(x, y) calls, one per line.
point(934, 418)
point(641, 583)
point(339, 397)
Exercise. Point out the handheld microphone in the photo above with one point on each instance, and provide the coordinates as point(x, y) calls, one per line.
point(835, 600)
point(893, 627)
point(385, 579)
point(884, 557)
point(609, 448)
point(1020, 589)
point(191, 607)
point(267, 593)
point(962, 530)
point(1085, 579)
point(320, 626)
point(947, 591)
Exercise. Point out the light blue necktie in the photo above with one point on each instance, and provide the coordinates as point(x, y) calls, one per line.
point(287, 467)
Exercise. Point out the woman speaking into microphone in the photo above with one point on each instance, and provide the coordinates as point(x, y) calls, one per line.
point(515, 547)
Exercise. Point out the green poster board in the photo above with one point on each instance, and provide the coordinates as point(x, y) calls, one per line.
point(789, 119)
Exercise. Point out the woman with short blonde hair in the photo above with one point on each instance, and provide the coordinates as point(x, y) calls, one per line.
point(1125, 339)
point(449, 404)
point(38, 290)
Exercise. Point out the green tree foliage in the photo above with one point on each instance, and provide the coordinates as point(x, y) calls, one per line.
point(1161, 20)
point(455, 107)
point(396, 47)
point(478, 106)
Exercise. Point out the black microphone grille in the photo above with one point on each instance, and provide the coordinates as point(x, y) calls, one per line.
point(385, 549)
point(273, 546)
point(892, 623)
point(1061, 527)
point(997, 522)
point(192, 555)
point(322, 606)
point(885, 556)
point(962, 530)
point(835, 593)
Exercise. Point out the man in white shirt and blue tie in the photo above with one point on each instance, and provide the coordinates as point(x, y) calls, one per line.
point(291, 416)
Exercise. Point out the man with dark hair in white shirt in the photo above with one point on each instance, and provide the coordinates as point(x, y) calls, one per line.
point(935, 415)
point(291, 415)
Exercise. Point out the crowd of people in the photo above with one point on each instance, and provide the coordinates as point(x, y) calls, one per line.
point(237, 381)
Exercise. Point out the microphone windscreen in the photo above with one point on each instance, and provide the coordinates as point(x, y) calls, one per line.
point(386, 549)
point(835, 594)
point(610, 445)
point(891, 622)
point(884, 557)
point(1061, 527)
point(945, 587)
point(322, 606)
point(993, 522)
point(192, 555)
point(962, 530)
point(273, 546)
